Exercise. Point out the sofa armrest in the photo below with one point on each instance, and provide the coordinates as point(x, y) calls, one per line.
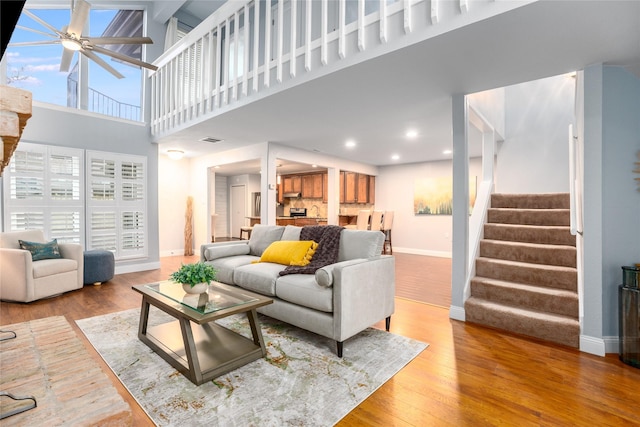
point(75, 252)
point(211, 251)
point(16, 279)
point(324, 275)
point(363, 294)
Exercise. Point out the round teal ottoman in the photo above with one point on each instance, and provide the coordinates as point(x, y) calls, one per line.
point(99, 266)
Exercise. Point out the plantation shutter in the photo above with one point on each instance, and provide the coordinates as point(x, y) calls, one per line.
point(43, 189)
point(116, 204)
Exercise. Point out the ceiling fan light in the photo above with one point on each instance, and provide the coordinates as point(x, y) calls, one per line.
point(71, 44)
point(175, 154)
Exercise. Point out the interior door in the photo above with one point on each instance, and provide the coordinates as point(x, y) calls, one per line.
point(238, 209)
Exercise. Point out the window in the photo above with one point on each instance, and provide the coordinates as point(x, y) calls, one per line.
point(43, 189)
point(116, 204)
point(86, 85)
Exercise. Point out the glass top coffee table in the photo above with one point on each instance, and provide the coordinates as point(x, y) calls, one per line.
point(194, 344)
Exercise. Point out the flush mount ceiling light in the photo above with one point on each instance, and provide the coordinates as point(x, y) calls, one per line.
point(395, 157)
point(175, 154)
point(350, 143)
point(447, 152)
point(412, 134)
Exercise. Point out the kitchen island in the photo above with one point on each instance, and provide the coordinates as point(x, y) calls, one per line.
point(300, 220)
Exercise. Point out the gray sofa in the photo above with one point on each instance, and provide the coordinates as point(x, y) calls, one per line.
point(338, 301)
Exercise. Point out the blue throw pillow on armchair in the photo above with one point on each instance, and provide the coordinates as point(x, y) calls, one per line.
point(41, 250)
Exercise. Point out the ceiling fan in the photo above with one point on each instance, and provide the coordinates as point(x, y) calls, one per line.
point(72, 40)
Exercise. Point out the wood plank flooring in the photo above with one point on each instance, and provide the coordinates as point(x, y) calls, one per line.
point(468, 376)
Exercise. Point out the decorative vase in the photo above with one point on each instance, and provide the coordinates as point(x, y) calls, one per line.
point(195, 289)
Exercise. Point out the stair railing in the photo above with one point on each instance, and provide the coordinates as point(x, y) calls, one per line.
point(575, 193)
point(483, 194)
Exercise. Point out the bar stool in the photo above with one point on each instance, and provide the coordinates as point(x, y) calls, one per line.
point(376, 221)
point(362, 223)
point(246, 229)
point(387, 223)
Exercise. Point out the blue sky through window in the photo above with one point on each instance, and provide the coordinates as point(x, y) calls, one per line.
point(36, 68)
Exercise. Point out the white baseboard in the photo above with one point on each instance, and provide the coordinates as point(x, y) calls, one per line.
point(133, 268)
point(612, 344)
point(439, 254)
point(457, 313)
point(173, 252)
point(592, 345)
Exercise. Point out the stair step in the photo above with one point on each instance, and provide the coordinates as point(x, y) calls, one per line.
point(550, 276)
point(531, 201)
point(557, 301)
point(550, 235)
point(550, 327)
point(529, 216)
point(533, 253)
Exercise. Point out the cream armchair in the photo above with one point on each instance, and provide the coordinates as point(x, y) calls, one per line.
point(24, 280)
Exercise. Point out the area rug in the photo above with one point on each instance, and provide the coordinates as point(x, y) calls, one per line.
point(301, 382)
point(47, 360)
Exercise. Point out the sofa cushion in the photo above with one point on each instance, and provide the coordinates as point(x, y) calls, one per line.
point(260, 278)
point(262, 236)
point(324, 275)
point(49, 267)
point(225, 267)
point(291, 232)
point(39, 251)
point(290, 252)
point(303, 290)
point(223, 251)
point(360, 244)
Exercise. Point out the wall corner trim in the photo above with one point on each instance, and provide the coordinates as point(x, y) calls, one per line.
point(457, 313)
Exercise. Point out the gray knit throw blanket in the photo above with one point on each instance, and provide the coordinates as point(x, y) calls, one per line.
point(328, 239)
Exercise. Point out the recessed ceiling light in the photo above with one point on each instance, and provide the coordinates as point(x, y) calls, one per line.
point(314, 166)
point(412, 134)
point(395, 157)
point(350, 143)
point(447, 152)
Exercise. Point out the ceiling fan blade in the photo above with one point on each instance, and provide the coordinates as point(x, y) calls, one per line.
point(101, 62)
point(119, 40)
point(35, 43)
point(41, 22)
point(78, 18)
point(36, 31)
point(65, 62)
point(124, 58)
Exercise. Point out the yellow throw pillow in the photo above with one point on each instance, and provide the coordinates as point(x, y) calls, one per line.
point(293, 252)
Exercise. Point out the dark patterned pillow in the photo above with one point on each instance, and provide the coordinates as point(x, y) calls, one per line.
point(41, 250)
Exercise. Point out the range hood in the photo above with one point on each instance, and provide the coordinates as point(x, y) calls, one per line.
point(292, 195)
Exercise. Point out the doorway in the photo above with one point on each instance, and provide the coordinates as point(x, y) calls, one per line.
point(238, 209)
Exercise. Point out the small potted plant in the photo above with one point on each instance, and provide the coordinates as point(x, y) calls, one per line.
point(194, 277)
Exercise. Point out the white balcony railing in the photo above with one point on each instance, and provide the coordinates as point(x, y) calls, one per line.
point(222, 61)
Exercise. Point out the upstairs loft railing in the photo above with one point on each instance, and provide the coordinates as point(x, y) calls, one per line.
point(100, 103)
point(222, 61)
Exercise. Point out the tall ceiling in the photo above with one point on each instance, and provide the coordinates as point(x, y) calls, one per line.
point(376, 102)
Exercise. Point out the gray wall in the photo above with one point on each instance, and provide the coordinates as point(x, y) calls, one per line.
point(68, 128)
point(611, 202)
point(535, 155)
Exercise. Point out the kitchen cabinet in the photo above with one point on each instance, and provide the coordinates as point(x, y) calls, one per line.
point(280, 192)
point(292, 184)
point(312, 186)
point(302, 221)
point(325, 188)
point(350, 187)
point(285, 221)
point(357, 188)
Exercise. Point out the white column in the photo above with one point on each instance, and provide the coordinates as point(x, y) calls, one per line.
point(460, 217)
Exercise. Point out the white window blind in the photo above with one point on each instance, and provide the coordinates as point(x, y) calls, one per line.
point(117, 203)
point(43, 189)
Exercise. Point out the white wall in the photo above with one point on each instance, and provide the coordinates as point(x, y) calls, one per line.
point(535, 155)
point(173, 184)
point(419, 234)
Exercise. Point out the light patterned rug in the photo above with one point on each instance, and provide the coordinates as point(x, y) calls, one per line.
point(301, 382)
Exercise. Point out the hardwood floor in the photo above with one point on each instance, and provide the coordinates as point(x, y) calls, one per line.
point(469, 375)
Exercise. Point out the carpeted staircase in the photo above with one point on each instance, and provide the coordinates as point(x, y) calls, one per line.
point(526, 277)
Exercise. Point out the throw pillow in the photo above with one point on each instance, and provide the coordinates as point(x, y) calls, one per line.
point(41, 250)
point(290, 252)
point(262, 236)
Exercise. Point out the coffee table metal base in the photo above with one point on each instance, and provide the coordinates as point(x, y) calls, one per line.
point(201, 352)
